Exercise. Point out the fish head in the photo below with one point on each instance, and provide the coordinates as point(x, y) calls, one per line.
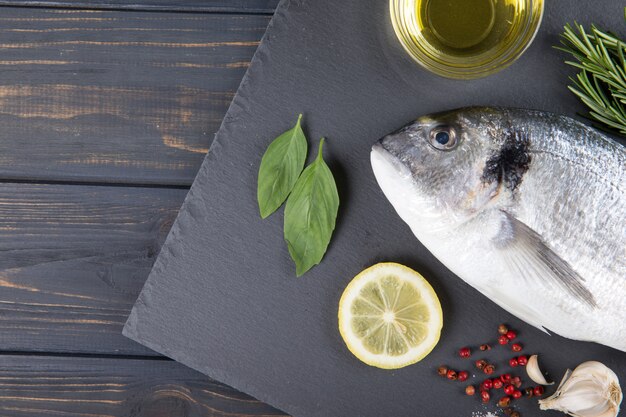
point(433, 169)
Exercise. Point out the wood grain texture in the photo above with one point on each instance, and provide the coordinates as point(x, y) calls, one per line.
point(116, 97)
point(72, 262)
point(51, 386)
point(229, 6)
point(105, 97)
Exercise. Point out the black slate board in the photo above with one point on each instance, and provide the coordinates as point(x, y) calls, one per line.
point(223, 298)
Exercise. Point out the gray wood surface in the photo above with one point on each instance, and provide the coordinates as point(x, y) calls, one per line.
point(122, 97)
point(106, 116)
point(39, 386)
point(232, 6)
point(73, 260)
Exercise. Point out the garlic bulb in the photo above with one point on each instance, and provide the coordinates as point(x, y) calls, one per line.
point(591, 390)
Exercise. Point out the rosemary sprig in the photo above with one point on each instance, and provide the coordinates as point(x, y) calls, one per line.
point(601, 82)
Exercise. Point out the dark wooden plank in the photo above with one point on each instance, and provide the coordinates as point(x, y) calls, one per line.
point(228, 6)
point(123, 97)
point(72, 261)
point(54, 386)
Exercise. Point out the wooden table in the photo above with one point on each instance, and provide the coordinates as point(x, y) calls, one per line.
point(106, 112)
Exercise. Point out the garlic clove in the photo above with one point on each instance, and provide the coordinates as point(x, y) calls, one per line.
point(534, 372)
point(609, 412)
point(591, 390)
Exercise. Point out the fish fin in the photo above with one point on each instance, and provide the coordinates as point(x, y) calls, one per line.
point(528, 257)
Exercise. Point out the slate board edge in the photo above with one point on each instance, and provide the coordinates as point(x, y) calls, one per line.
point(130, 329)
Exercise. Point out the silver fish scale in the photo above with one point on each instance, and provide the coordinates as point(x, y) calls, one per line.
point(574, 196)
point(583, 213)
point(580, 216)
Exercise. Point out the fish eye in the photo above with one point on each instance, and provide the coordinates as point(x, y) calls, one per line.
point(443, 138)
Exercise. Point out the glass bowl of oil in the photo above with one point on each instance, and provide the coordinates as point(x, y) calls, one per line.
point(465, 39)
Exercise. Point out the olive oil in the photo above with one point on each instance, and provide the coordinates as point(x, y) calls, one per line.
point(457, 24)
point(465, 38)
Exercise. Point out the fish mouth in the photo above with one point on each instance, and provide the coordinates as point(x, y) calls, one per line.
point(384, 161)
point(387, 165)
point(395, 180)
point(403, 190)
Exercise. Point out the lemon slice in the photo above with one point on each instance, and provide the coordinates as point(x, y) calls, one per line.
point(390, 316)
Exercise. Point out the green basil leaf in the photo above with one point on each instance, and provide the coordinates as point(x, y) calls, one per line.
point(280, 167)
point(310, 214)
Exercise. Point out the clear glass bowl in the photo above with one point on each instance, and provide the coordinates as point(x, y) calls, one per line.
point(513, 25)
